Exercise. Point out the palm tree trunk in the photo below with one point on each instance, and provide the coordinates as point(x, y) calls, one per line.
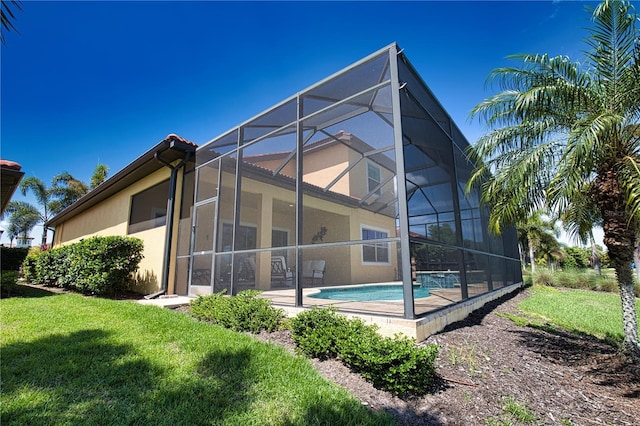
point(595, 259)
point(44, 237)
point(636, 260)
point(620, 237)
point(523, 257)
point(532, 258)
point(629, 317)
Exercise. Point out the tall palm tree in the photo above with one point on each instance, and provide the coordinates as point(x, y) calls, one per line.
point(533, 232)
point(23, 217)
point(65, 189)
point(578, 220)
point(43, 197)
point(560, 128)
point(550, 250)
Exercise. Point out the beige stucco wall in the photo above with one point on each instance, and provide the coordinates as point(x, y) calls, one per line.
point(111, 217)
point(343, 223)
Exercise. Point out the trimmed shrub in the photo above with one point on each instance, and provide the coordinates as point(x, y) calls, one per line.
point(244, 312)
point(394, 364)
point(318, 332)
point(8, 282)
point(103, 265)
point(11, 258)
point(97, 265)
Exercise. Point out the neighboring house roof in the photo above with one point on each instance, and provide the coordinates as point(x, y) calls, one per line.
point(10, 176)
point(172, 148)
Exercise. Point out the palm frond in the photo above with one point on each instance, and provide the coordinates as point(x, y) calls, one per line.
point(7, 16)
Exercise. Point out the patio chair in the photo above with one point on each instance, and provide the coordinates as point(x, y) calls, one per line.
point(280, 271)
point(313, 269)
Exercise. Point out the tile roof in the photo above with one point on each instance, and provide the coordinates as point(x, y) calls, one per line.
point(10, 164)
point(172, 137)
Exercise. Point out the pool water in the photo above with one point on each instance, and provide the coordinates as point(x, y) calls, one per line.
point(364, 293)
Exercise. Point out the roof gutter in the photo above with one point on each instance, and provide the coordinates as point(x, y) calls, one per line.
point(173, 181)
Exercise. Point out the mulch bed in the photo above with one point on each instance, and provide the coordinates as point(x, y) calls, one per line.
point(562, 378)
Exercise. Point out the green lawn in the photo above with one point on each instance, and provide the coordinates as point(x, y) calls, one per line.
point(595, 313)
point(68, 359)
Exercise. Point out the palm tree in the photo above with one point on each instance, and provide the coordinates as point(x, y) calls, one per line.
point(561, 131)
point(43, 196)
point(550, 250)
point(578, 220)
point(23, 217)
point(66, 190)
point(99, 175)
point(533, 232)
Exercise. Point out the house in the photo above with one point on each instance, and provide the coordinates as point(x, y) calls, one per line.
point(357, 182)
point(10, 177)
point(134, 202)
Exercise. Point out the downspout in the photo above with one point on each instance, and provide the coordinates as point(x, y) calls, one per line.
point(170, 211)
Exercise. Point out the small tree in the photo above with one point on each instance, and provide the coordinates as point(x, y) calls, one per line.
point(99, 175)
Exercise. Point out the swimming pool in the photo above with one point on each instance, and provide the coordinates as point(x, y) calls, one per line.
point(364, 293)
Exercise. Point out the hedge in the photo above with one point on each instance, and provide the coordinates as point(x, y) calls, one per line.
point(96, 265)
point(12, 257)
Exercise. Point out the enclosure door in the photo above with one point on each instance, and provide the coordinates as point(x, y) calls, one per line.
point(201, 280)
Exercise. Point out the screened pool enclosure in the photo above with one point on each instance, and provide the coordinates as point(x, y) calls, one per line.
point(352, 184)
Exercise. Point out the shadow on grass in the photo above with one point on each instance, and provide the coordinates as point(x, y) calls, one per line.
point(27, 291)
point(86, 378)
point(72, 378)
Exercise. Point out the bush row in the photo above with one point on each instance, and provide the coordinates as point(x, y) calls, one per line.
point(11, 258)
point(244, 312)
point(96, 265)
point(394, 364)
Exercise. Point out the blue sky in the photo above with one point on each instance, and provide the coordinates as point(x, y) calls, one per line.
point(101, 82)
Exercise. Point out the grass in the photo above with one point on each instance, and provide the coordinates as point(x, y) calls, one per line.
point(513, 412)
point(465, 355)
point(595, 313)
point(68, 359)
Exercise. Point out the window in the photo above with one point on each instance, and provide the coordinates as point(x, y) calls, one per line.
point(279, 238)
point(374, 252)
point(246, 237)
point(373, 177)
point(149, 208)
